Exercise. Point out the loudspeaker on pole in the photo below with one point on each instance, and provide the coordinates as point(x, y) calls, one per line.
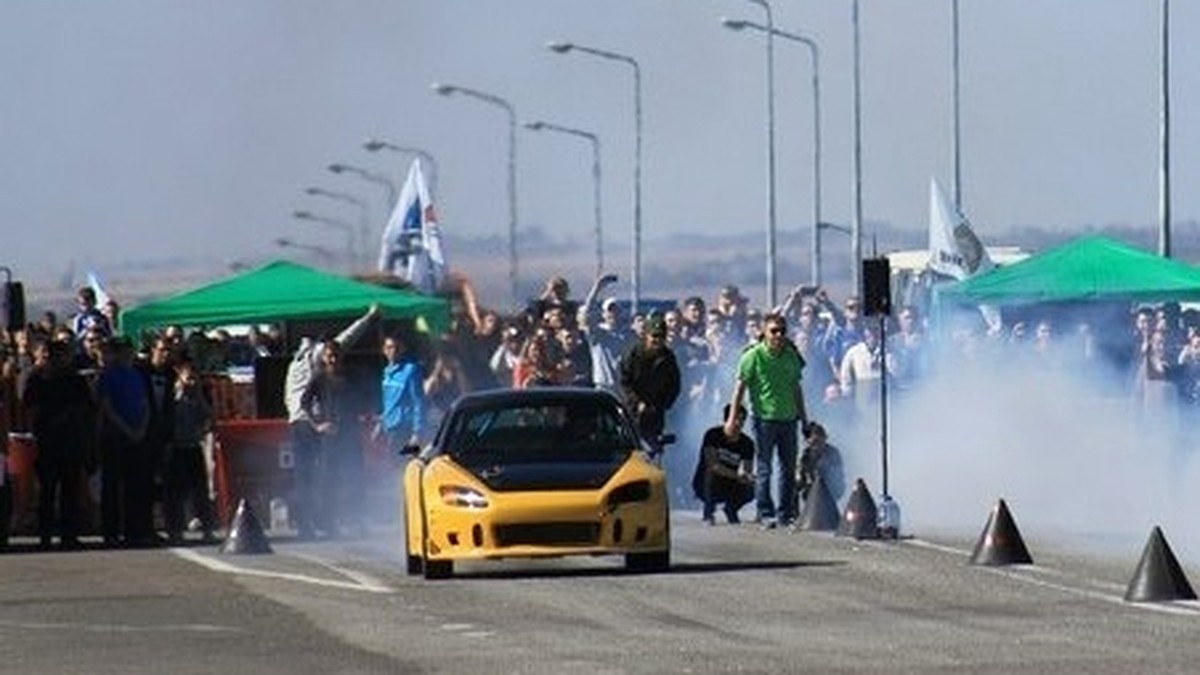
point(876, 286)
point(860, 519)
point(246, 533)
point(1000, 543)
point(1159, 576)
point(14, 305)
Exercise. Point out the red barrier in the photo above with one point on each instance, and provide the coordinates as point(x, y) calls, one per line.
point(252, 461)
point(22, 455)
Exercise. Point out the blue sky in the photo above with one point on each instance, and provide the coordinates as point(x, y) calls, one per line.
point(139, 129)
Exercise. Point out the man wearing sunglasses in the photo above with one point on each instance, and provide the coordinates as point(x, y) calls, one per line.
point(769, 373)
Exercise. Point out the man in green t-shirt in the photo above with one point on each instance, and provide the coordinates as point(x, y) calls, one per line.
point(769, 372)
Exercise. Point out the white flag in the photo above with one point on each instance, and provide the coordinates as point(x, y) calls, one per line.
point(412, 240)
point(954, 250)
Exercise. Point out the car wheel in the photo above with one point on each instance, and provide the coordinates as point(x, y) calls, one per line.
point(438, 569)
point(658, 561)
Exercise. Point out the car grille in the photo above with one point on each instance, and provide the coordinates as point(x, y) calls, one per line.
point(532, 534)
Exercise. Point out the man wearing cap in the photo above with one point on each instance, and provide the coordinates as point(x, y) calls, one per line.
point(606, 333)
point(769, 371)
point(650, 380)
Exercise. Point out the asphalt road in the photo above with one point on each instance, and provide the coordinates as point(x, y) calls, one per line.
point(737, 599)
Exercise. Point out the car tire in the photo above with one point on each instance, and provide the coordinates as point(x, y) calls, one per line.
point(438, 569)
point(416, 565)
point(659, 561)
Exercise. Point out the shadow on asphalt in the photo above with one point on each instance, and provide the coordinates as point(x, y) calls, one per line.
point(679, 569)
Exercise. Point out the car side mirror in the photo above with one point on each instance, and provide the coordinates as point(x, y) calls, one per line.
point(409, 450)
point(666, 439)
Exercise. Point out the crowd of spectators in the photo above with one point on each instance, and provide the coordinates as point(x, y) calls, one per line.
point(1150, 354)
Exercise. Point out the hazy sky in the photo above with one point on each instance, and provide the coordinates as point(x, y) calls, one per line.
point(152, 129)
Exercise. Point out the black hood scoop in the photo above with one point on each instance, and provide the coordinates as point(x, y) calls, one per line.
point(548, 476)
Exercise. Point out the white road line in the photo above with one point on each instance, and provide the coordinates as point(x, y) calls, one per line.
point(1184, 608)
point(362, 578)
point(227, 568)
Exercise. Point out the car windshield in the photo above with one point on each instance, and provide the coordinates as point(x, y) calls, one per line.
point(520, 432)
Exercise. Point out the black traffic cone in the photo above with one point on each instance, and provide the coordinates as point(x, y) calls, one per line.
point(820, 512)
point(860, 519)
point(1000, 543)
point(245, 533)
point(1159, 577)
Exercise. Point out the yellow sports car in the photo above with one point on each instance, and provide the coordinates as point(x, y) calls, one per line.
point(535, 473)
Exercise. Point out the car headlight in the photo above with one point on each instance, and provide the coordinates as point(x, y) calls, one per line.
point(637, 491)
point(463, 497)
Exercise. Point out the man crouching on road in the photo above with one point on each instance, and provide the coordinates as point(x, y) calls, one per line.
point(770, 371)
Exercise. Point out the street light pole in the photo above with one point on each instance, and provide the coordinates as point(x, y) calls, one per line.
point(375, 145)
point(334, 223)
point(595, 141)
point(815, 53)
point(636, 273)
point(320, 251)
point(772, 285)
point(856, 220)
point(447, 90)
point(1164, 174)
point(349, 199)
point(369, 176)
point(954, 95)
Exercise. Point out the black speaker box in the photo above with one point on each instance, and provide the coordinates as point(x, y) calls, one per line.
point(876, 286)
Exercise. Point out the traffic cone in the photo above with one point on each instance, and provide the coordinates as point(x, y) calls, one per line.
point(820, 512)
point(1158, 578)
point(245, 533)
point(1000, 543)
point(860, 519)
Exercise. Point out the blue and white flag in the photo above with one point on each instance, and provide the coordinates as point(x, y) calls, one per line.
point(102, 296)
point(412, 241)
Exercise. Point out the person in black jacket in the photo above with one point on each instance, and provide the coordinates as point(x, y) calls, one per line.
point(650, 381)
point(59, 402)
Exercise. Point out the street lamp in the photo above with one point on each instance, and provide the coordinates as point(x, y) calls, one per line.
point(1164, 171)
point(371, 177)
point(349, 199)
point(955, 104)
point(333, 223)
point(595, 141)
point(733, 24)
point(320, 251)
point(448, 90)
point(772, 286)
point(563, 48)
point(375, 145)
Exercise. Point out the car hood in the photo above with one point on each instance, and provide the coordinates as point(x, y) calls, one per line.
point(549, 476)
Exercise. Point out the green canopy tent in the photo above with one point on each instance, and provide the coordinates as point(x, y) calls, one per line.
point(1088, 268)
point(283, 291)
